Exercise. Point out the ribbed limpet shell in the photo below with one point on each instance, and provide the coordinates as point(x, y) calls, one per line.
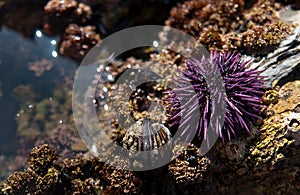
point(146, 135)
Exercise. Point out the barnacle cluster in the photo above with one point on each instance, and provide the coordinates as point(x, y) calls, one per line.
point(45, 175)
point(64, 13)
point(269, 157)
point(137, 120)
point(118, 180)
point(48, 174)
point(196, 15)
point(189, 167)
point(41, 175)
point(146, 135)
point(73, 17)
point(231, 25)
point(41, 159)
point(146, 129)
point(77, 41)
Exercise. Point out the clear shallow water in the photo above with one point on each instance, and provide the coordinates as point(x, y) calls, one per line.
point(16, 52)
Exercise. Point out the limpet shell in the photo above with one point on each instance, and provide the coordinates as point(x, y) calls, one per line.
point(146, 135)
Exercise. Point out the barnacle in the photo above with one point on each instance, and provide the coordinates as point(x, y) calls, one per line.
point(61, 13)
point(77, 41)
point(120, 181)
point(263, 39)
point(42, 158)
point(189, 167)
point(253, 29)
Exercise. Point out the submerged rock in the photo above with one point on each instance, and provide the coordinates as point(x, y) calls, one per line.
point(1, 92)
point(41, 66)
point(39, 117)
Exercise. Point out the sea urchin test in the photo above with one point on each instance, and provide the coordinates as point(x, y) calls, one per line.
point(243, 95)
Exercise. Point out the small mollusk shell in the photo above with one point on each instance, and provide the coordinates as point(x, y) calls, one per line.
point(145, 135)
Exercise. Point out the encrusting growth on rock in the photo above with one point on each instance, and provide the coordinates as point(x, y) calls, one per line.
point(189, 167)
point(61, 13)
point(229, 25)
point(77, 41)
point(72, 176)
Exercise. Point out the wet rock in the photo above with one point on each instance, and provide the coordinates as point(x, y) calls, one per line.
point(77, 41)
point(30, 182)
point(28, 15)
point(272, 156)
point(72, 176)
point(227, 25)
point(189, 167)
point(65, 140)
point(279, 64)
point(264, 39)
point(62, 13)
point(264, 162)
point(45, 176)
point(40, 177)
point(196, 15)
point(289, 15)
point(294, 3)
point(41, 159)
point(119, 181)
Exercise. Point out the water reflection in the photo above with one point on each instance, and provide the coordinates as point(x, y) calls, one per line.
point(16, 54)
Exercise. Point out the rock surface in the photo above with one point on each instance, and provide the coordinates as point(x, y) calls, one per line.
point(268, 162)
point(282, 62)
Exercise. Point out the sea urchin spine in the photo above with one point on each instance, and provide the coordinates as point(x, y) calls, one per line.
point(243, 88)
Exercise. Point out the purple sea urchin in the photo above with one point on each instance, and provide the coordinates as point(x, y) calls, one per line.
point(243, 88)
